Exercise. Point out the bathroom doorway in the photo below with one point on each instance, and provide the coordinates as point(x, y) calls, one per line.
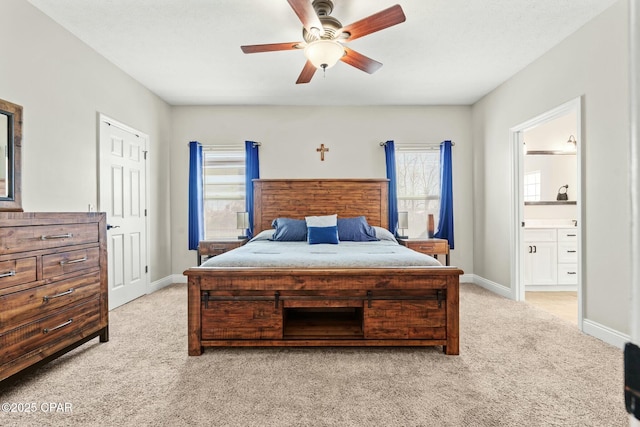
point(547, 216)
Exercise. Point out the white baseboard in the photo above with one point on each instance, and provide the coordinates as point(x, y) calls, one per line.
point(466, 278)
point(166, 281)
point(494, 287)
point(179, 278)
point(550, 288)
point(605, 333)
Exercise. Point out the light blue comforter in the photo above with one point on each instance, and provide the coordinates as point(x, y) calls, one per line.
point(265, 253)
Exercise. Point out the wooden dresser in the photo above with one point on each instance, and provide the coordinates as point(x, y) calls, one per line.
point(53, 286)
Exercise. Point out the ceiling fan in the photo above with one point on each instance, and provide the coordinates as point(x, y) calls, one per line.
point(324, 36)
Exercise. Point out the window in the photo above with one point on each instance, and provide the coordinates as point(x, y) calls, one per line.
point(418, 185)
point(224, 189)
point(532, 186)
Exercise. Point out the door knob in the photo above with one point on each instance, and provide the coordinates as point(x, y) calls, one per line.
point(109, 226)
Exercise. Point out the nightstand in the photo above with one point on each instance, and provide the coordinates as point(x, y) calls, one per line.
point(432, 247)
point(211, 248)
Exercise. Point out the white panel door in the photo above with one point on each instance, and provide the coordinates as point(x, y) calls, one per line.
point(123, 197)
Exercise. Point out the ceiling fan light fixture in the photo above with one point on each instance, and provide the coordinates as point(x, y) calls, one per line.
point(324, 53)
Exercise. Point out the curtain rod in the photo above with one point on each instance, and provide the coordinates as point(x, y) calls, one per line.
point(382, 144)
point(255, 144)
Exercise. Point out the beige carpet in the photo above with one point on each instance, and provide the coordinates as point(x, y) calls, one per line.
point(519, 366)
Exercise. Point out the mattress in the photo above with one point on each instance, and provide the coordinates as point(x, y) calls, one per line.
point(267, 253)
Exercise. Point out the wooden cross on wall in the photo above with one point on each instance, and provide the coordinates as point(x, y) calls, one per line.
point(322, 150)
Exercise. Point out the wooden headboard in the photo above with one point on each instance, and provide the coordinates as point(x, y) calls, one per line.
point(297, 198)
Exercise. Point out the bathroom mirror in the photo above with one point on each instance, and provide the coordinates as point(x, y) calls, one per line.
point(10, 160)
point(546, 173)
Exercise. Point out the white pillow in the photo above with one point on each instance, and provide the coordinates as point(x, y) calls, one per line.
point(384, 234)
point(264, 235)
point(322, 221)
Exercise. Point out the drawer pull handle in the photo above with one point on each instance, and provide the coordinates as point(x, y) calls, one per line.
point(571, 235)
point(571, 252)
point(219, 248)
point(571, 272)
point(56, 236)
point(46, 298)
point(74, 261)
point(62, 325)
point(9, 274)
point(426, 248)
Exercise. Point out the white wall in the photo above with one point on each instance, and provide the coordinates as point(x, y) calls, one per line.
point(290, 136)
point(62, 84)
point(593, 63)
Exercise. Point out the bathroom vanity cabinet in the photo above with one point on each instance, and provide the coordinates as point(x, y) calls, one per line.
point(551, 258)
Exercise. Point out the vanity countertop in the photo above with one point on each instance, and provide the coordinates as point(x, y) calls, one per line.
point(549, 223)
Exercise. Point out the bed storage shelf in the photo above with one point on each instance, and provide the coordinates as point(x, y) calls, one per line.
point(323, 323)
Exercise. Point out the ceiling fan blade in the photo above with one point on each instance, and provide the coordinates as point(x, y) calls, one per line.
point(361, 62)
point(376, 22)
point(257, 48)
point(307, 73)
point(307, 15)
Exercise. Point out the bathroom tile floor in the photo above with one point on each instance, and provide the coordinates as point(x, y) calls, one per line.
point(562, 304)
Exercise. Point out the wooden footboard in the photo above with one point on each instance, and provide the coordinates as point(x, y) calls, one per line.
point(414, 306)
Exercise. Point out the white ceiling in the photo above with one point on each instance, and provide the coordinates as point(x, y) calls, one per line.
point(447, 51)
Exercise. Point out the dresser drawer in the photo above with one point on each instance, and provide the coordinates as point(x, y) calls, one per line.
point(567, 252)
point(67, 262)
point(22, 239)
point(567, 235)
point(56, 328)
point(567, 274)
point(428, 247)
point(17, 271)
point(540, 235)
point(43, 300)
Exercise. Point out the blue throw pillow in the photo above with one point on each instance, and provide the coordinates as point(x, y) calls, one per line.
point(323, 235)
point(289, 230)
point(356, 230)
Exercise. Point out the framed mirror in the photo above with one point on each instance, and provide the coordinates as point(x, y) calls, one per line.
point(10, 160)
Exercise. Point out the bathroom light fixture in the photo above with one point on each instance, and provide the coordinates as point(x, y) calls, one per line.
point(403, 223)
point(242, 223)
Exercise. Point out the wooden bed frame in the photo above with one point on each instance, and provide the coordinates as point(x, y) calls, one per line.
point(410, 306)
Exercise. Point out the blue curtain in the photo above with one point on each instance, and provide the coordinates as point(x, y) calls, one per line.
point(252, 171)
point(445, 225)
point(196, 211)
point(390, 157)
